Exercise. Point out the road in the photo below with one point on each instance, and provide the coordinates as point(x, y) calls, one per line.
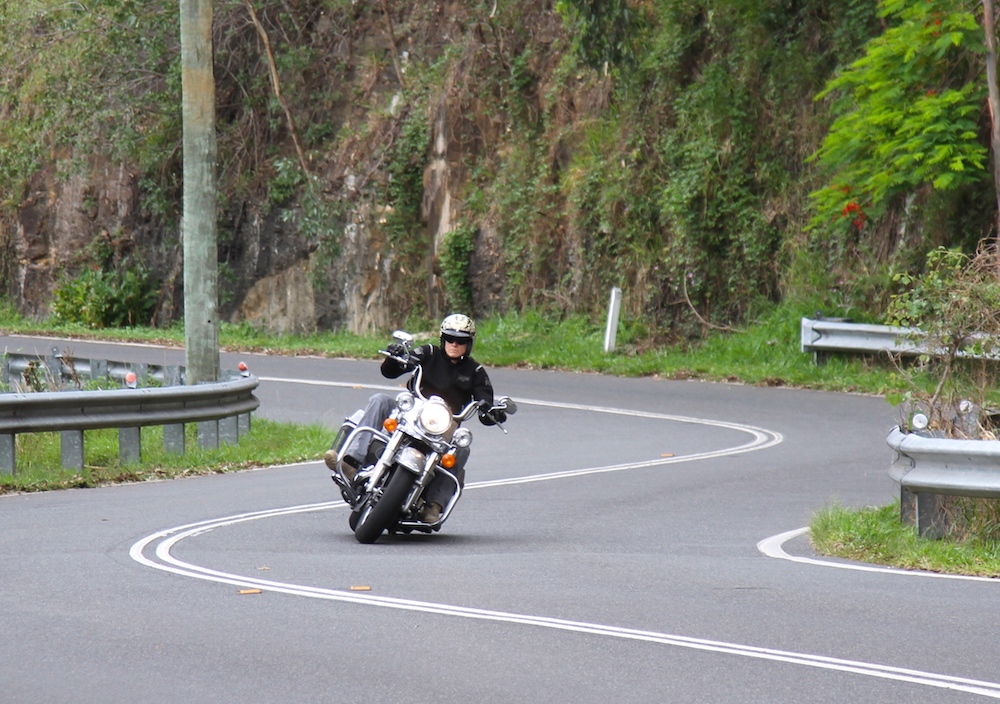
point(618, 545)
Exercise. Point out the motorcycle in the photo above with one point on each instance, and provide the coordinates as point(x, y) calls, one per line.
point(420, 440)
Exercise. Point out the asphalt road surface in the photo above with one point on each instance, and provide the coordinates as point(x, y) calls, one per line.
point(629, 540)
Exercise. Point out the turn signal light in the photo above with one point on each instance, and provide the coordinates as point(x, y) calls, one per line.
point(390, 424)
point(448, 461)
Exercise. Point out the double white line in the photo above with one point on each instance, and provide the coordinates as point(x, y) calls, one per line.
point(163, 542)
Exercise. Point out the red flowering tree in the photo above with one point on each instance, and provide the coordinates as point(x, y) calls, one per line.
point(906, 113)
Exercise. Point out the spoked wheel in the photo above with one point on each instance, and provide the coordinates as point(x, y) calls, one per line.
point(375, 517)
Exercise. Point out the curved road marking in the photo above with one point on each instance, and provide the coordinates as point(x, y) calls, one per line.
point(761, 439)
point(775, 547)
point(168, 538)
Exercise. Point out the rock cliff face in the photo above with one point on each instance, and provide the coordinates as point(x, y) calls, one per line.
point(403, 150)
point(56, 223)
point(271, 274)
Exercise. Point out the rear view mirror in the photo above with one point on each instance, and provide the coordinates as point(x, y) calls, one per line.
point(402, 337)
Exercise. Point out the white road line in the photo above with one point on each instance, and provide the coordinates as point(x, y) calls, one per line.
point(775, 547)
point(760, 439)
point(169, 538)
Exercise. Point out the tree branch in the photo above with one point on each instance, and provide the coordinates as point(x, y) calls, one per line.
point(724, 328)
point(276, 84)
point(392, 44)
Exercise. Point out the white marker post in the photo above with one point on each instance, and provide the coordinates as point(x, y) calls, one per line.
point(614, 308)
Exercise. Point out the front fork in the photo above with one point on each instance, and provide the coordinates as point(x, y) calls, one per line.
point(426, 472)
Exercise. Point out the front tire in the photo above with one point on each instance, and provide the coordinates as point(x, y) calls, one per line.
point(374, 518)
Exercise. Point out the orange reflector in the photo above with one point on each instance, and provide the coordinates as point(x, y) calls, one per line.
point(448, 461)
point(390, 424)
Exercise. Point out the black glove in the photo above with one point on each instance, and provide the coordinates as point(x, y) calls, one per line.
point(493, 417)
point(396, 350)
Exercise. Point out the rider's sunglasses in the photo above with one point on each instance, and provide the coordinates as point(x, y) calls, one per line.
point(455, 340)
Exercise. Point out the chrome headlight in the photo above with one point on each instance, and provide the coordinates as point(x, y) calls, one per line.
point(404, 401)
point(462, 437)
point(435, 418)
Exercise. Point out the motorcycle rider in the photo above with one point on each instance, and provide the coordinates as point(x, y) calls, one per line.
point(448, 371)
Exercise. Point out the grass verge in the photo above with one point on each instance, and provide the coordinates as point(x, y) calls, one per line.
point(876, 535)
point(268, 443)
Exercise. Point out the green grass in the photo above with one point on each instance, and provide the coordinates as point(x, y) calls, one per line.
point(765, 353)
point(268, 443)
point(876, 535)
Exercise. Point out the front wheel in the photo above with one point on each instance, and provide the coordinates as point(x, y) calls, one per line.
point(373, 518)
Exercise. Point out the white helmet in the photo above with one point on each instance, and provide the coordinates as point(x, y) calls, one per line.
point(458, 327)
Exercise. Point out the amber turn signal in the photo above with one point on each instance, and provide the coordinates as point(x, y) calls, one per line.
point(390, 424)
point(448, 461)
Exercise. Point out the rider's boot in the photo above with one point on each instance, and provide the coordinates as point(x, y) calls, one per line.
point(431, 513)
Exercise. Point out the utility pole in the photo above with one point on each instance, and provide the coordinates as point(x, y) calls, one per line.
point(198, 226)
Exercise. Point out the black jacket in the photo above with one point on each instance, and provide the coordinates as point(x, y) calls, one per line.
point(457, 383)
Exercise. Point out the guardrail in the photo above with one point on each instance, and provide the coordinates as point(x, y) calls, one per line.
point(928, 468)
point(220, 409)
point(824, 336)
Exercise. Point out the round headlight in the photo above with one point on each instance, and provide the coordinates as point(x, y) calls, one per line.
point(462, 437)
point(435, 418)
point(404, 401)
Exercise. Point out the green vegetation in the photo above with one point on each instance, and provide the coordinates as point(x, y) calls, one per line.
point(766, 353)
point(115, 289)
point(876, 535)
point(268, 443)
point(906, 114)
point(955, 305)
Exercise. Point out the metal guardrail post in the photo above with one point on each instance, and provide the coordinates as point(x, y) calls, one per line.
point(130, 445)
point(208, 435)
point(242, 424)
point(229, 430)
point(8, 453)
point(71, 448)
point(174, 441)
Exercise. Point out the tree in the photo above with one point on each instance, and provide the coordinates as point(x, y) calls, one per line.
point(989, 29)
point(198, 226)
point(604, 30)
point(907, 113)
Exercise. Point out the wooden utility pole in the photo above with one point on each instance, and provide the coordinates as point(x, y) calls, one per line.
point(198, 226)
